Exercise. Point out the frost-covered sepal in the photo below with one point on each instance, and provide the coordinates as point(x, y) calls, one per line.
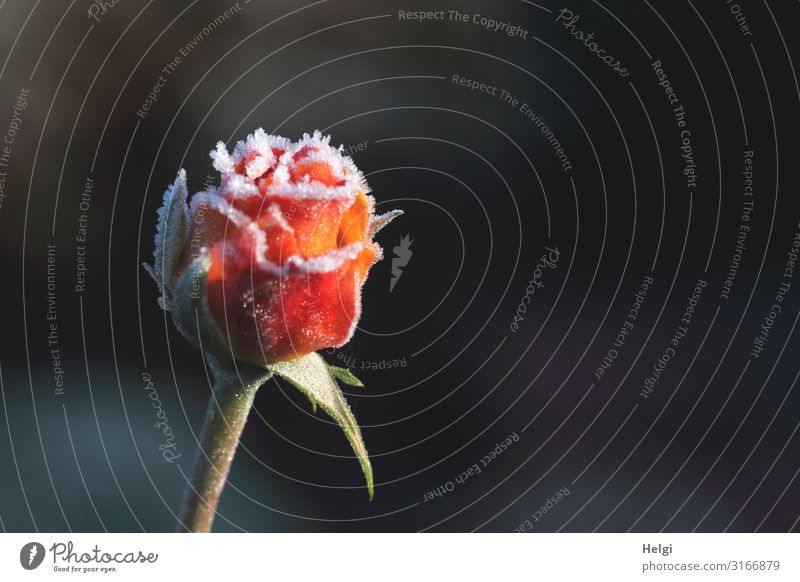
point(171, 236)
point(189, 309)
point(346, 376)
point(312, 376)
point(376, 223)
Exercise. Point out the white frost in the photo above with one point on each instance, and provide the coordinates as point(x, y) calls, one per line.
point(257, 148)
point(297, 265)
point(211, 200)
point(222, 160)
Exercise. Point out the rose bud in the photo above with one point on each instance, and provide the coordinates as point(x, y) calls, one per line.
point(269, 266)
point(266, 269)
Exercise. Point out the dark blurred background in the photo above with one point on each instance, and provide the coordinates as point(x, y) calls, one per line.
point(713, 446)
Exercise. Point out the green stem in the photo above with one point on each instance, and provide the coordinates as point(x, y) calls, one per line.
point(234, 391)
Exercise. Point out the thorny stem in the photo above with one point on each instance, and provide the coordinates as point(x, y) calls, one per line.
point(234, 391)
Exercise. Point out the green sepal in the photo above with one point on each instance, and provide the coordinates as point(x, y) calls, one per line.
point(346, 376)
point(172, 232)
point(376, 223)
point(189, 309)
point(314, 378)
